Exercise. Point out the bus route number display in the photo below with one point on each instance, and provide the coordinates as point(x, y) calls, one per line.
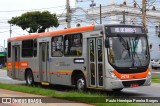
point(126, 30)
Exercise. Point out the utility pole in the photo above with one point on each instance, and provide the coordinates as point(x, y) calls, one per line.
point(68, 16)
point(144, 14)
point(100, 14)
point(124, 18)
point(10, 31)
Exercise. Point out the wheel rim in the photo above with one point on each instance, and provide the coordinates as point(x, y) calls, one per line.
point(29, 79)
point(80, 84)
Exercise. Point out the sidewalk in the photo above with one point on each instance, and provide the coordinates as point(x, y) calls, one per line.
point(22, 96)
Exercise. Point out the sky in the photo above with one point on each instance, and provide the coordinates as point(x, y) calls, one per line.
point(12, 8)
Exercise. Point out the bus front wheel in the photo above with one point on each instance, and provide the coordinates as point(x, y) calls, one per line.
point(29, 78)
point(80, 84)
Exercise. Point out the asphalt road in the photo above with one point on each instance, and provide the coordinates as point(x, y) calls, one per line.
point(144, 91)
point(13, 94)
point(155, 72)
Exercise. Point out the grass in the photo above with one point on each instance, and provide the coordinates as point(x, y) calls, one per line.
point(4, 68)
point(155, 79)
point(85, 97)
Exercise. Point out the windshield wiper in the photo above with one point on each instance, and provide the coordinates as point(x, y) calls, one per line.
point(124, 43)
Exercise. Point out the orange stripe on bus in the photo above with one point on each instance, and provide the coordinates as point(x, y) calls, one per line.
point(16, 63)
point(63, 72)
point(24, 64)
point(9, 67)
point(53, 33)
point(35, 71)
point(9, 63)
point(132, 76)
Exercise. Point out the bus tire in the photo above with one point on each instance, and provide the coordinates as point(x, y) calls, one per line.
point(29, 78)
point(80, 83)
point(117, 90)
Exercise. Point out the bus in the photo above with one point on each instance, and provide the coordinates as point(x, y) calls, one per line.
point(106, 57)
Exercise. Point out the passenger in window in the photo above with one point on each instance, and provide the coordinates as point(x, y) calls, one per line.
point(66, 46)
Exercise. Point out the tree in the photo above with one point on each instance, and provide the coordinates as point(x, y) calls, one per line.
point(35, 21)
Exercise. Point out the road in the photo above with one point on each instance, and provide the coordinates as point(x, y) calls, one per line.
point(145, 91)
point(7, 93)
point(155, 72)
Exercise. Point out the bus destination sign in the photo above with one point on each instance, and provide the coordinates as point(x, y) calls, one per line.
point(123, 30)
point(126, 30)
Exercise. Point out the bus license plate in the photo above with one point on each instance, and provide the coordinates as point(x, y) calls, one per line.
point(134, 85)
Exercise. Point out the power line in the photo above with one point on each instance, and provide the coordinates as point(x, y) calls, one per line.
point(33, 9)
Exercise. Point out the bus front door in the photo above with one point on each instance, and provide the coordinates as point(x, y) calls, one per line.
point(44, 55)
point(16, 59)
point(96, 62)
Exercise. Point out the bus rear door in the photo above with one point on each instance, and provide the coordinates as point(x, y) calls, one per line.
point(16, 61)
point(96, 62)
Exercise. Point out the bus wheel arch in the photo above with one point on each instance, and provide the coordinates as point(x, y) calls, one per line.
point(78, 79)
point(29, 77)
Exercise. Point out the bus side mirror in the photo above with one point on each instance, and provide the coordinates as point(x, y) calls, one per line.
point(107, 43)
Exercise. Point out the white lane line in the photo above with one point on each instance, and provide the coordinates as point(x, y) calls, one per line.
point(155, 72)
point(130, 90)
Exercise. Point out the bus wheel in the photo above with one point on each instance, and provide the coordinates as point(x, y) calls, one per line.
point(116, 90)
point(81, 84)
point(29, 78)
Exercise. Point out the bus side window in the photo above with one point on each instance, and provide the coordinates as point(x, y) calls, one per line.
point(35, 47)
point(57, 46)
point(27, 48)
point(73, 45)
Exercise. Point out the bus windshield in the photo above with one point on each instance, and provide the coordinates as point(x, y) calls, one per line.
point(128, 51)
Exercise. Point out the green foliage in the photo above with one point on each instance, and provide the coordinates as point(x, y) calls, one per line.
point(84, 97)
point(155, 79)
point(35, 21)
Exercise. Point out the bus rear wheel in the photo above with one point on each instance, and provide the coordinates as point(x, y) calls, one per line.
point(81, 84)
point(29, 78)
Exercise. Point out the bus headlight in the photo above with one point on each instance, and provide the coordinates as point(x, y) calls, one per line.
point(113, 75)
point(149, 74)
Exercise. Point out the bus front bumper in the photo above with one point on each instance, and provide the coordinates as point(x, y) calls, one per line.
point(117, 83)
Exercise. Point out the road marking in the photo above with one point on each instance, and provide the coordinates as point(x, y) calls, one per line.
point(155, 72)
point(130, 90)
